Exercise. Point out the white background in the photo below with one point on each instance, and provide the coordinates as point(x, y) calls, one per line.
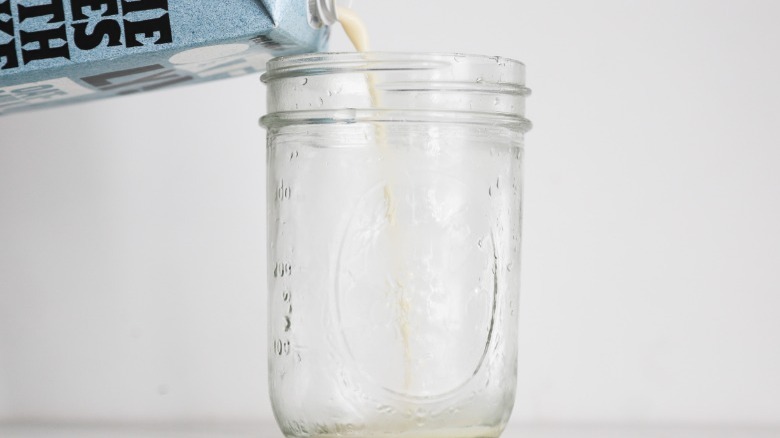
point(132, 240)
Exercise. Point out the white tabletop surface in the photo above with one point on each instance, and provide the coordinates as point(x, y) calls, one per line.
point(515, 430)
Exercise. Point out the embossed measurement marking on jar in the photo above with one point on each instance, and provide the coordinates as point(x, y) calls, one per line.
point(283, 346)
point(282, 271)
point(283, 191)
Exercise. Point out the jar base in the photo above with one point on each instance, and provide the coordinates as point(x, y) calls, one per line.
point(468, 432)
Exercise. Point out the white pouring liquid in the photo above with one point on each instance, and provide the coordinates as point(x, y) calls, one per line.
point(358, 34)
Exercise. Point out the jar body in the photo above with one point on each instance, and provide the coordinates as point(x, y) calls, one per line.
point(394, 252)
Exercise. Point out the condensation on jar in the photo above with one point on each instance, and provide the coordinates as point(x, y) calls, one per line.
point(394, 213)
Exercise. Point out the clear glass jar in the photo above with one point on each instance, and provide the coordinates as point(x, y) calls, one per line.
point(394, 209)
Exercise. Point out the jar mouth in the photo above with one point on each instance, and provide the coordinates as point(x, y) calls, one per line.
point(393, 86)
point(309, 64)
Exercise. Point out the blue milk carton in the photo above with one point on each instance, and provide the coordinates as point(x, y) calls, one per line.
point(55, 52)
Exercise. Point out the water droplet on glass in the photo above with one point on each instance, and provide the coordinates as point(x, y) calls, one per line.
point(385, 409)
point(420, 416)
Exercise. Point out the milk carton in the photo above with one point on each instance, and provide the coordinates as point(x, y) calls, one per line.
point(55, 52)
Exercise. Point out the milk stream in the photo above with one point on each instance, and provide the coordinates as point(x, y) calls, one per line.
point(354, 27)
point(357, 33)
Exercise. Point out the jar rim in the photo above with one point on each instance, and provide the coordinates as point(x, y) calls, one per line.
point(308, 64)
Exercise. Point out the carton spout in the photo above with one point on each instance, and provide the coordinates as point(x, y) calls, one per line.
point(322, 13)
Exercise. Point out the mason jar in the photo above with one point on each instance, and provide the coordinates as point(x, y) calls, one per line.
point(394, 210)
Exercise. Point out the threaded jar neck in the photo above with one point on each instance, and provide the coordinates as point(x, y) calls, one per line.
point(375, 86)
